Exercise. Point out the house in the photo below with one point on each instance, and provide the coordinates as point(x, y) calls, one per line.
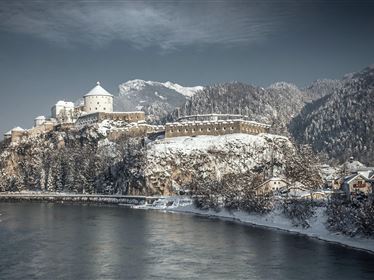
point(357, 184)
point(318, 195)
point(297, 190)
point(271, 186)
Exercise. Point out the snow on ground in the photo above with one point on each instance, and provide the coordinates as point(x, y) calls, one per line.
point(205, 142)
point(274, 220)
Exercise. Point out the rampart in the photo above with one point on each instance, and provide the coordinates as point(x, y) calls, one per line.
point(115, 116)
point(220, 127)
point(139, 130)
point(16, 135)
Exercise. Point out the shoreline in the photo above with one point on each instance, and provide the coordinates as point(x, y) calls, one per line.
point(130, 200)
point(321, 233)
point(273, 220)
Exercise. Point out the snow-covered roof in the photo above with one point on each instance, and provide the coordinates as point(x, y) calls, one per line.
point(271, 180)
point(351, 178)
point(18, 129)
point(98, 90)
point(40, 118)
point(65, 103)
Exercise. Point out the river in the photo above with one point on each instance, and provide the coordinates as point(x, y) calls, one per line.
point(65, 241)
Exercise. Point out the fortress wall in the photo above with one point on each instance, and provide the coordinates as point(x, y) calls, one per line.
point(213, 128)
point(115, 116)
point(32, 132)
point(140, 130)
point(122, 116)
point(17, 135)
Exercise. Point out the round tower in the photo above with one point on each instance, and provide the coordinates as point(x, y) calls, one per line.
point(98, 100)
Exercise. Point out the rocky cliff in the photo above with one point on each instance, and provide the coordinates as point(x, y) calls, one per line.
point(88, 161)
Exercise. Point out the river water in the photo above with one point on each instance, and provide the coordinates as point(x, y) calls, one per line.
point(59, 241)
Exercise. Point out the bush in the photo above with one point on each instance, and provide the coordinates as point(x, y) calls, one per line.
point(351, 217)
point(299, 211)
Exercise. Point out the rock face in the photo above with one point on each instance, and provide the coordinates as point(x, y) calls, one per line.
point(75, 160)
point(154, 98)
point(341, 123)
point(88, 160)
point(173, 163)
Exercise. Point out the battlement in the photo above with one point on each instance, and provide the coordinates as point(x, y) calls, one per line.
point(138, 130)
point(17, 134)
point(220, 127)
point(114, 116)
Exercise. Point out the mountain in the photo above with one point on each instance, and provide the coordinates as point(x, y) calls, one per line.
point(275, 105)
point(341, 123)
point(154, 98)
point(320, 88)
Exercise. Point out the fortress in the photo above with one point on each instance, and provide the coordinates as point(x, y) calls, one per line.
point(212, 125)
point(97, 106)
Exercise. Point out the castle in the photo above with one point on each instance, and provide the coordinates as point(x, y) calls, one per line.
point(97, 106)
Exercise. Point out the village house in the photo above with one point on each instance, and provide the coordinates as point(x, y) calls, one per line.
point(358, 184)
point(297, 190)
point(271, 186)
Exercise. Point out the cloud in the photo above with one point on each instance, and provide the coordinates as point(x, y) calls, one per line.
point(167, 25)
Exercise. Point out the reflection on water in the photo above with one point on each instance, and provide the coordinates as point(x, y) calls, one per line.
point(55, 241)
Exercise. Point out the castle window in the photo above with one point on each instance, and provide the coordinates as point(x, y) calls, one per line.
point(201, 129)
point(224, 128)
point(193, 130)
point(208, 129)
point(104, 108)
point(186, 130)
point(98, 102)
point(232, 128)
point(95, 108)
point(179, 130)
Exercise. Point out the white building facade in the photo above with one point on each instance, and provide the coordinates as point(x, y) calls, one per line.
point(98, 100)
point(39, 121)
point(63, 112)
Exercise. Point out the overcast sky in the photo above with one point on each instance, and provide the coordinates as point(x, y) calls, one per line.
point(53, 50)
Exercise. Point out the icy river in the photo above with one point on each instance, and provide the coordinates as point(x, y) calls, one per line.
point(60, 241)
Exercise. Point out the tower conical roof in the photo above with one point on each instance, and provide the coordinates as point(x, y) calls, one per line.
point(98, 90)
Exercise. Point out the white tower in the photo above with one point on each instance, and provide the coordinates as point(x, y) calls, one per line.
point(98, 100)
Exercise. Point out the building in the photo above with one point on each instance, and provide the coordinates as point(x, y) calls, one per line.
point(297, 190)
point(271, 186)
point(127, 117)
point(218, 127)
point(98, 100)
point(63, 112)
point(39, 121)
point(17, 133)
point(357, 184)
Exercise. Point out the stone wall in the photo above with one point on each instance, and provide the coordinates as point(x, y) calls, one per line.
point(32, 132)
point(115, 116)
point(220, 127)
point(140, 130)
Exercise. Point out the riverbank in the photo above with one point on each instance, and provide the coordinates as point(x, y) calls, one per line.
point(79, 198)
point(273, 220)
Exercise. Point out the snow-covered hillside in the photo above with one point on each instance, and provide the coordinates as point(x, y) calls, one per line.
point(138, 85)
point(156, 99)
point(174, 163)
